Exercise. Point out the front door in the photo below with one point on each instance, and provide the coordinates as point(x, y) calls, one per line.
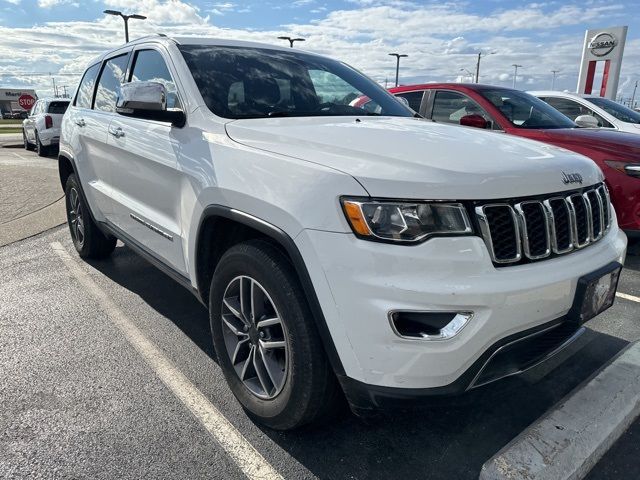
point(146, 176)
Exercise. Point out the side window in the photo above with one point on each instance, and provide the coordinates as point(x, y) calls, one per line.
point(414, 99)
point(450, 107)
point(110, 81)
point(34, 109)
point(149, 66)
point(85, 90)
point(572, 109)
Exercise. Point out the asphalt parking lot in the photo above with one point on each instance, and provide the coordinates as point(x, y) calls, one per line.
point(80, 399)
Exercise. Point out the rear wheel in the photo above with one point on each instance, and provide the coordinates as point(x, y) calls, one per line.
point(41, 149)
point(27, 145)
point(87, 238)
point(266, 340)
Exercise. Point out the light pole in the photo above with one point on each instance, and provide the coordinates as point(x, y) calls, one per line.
point(553, 79)
point(478, 64)
point(515, 73)
point(292, 40)
point(126, 20)
point(398, 57)
point(468, 73)
point(633, 97)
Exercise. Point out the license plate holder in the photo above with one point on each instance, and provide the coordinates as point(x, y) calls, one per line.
point(595, 293)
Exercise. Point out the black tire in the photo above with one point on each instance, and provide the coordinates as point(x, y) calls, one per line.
point(311, 391)
point(41, 150)
point(27, 145)
point(89, 241)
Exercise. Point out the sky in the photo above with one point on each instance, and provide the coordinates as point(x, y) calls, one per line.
point(56, 38)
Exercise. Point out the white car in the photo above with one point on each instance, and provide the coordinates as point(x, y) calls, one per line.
point(592, 111)
point(337, 250)
point(41, 128)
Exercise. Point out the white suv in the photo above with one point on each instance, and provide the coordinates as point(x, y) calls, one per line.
point(337, 250)
point(592, 111)
point(41, 128)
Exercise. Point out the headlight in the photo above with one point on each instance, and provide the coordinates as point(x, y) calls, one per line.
point(404, 221)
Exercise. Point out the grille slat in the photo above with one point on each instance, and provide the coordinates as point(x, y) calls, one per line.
point(536, 229)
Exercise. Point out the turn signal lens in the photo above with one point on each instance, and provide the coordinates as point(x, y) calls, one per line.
point(399, 221)
point(356, 218)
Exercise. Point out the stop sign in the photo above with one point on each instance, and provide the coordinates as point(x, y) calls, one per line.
point(26, 101)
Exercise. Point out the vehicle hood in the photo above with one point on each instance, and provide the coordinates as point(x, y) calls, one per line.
point(613, 143)
point(414, 158)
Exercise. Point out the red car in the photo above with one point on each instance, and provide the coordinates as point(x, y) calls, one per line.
point(518, 113)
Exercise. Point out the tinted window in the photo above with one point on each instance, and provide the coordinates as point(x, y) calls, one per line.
point(111, 79)
point(573, 109)
point(414, 99)
point(450, 107)
point(149, 66)
point(85, 90)
point(238, 82)
point(526, 111)
point(58, 107)
point(619, 111)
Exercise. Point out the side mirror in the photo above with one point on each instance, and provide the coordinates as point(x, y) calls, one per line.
point(148, 100)
point(404, 101)
point(474, 120)
point(587, 121)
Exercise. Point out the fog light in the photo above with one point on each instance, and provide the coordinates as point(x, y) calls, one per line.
point(428, 325)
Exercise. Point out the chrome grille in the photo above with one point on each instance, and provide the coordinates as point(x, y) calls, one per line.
point(536, 229)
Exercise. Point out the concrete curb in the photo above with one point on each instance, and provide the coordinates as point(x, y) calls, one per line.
point(569, 440)
point(33, 223)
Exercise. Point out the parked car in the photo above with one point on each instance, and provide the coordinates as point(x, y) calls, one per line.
point(337, 250)
point(592, 111)
point(41, 128)
point(19, 114)
point(7, 115)
point(518, 113)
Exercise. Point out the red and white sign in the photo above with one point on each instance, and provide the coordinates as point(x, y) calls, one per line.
point(26, 101)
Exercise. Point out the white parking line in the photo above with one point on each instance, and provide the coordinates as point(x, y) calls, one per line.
point(248, 459)
point(626, 296)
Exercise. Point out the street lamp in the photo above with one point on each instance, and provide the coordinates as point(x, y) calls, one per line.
point(515, 73)
point(553, 79)
point(398, 57)
point(478, 64)
point(126, 20)
point(291, 40)
point(468, 73)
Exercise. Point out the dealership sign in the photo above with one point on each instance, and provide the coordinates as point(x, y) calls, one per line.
point(26, 101)
point(602, 44)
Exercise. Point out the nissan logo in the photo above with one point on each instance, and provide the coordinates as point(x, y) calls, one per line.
point(602, 44)
point(568, 178)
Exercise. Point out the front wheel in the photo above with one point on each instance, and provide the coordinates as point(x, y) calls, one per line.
point(87, 238)
point(27, 145)
point(266, 341)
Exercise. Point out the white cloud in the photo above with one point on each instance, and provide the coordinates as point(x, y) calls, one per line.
point(439, 38)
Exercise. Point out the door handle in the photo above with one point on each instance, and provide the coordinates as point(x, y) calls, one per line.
point(116, 132)
point(80, 122)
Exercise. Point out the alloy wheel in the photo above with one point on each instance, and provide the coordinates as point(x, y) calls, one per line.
point(76, 219)
point(255, 337)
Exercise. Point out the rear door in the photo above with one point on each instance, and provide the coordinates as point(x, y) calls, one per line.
point(146, 177)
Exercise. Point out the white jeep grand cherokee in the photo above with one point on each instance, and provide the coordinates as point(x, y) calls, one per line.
point(338, 250)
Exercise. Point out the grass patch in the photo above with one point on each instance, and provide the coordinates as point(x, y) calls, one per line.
point(10, 130)
point(10, 121)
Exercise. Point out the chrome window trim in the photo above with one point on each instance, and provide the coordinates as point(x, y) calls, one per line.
point(525, 233)
point(486, 232)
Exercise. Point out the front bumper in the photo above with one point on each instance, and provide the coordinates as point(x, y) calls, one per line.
point(359, 282)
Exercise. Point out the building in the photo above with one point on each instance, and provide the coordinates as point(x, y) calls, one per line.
point(16, 99)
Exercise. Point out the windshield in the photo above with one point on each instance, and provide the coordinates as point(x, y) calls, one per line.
point(240, 82)
point(526, 111)
point(621, 112)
